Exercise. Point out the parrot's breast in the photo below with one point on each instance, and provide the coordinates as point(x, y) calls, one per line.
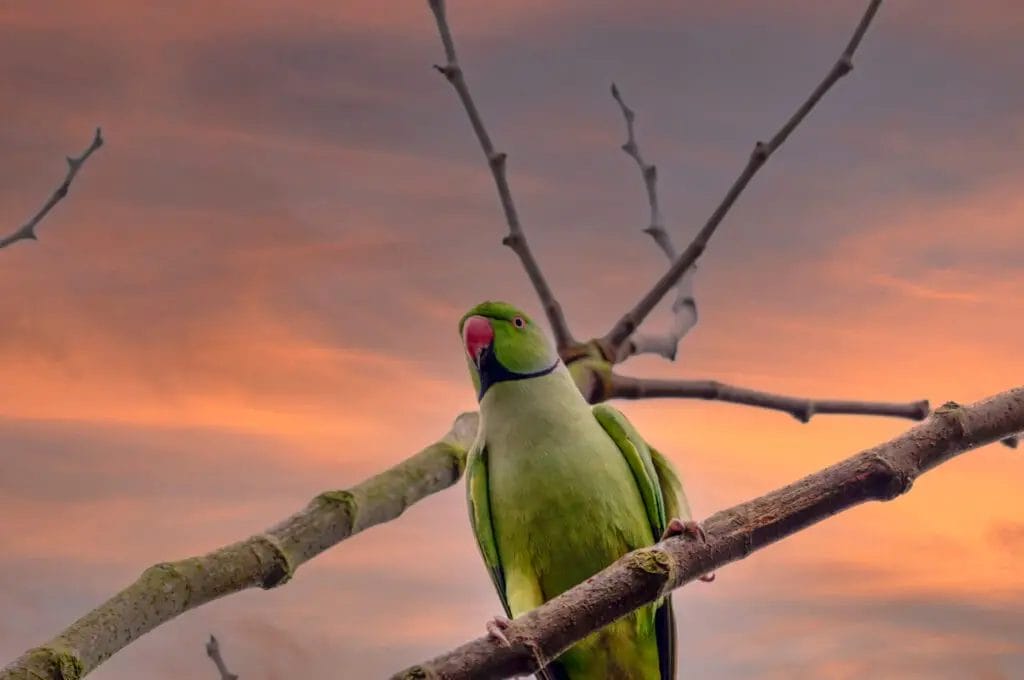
point(566, 499)
point(565, 505)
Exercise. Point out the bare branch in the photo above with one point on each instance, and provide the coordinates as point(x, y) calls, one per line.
point(684, 309)
point(516, 238)
point(801, 408)
point(614, 339)
point(27, 231)
point(213, 651)
point(649, 173)
point(266, 560)
point(880, 473)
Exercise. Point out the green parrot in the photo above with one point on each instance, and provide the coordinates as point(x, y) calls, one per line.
point(558, 490)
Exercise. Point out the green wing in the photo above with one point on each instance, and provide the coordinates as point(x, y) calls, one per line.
point(672, 492)
point(676, 505)
point(478, 494)
point(479, 497)
point(664, 499)
point(638, 456)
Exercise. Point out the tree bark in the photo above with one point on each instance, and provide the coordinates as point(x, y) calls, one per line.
point(880, 473)
point(266, 560)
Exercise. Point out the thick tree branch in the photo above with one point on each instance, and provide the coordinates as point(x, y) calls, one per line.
point(27, 231)
point(625, 327)
point(516, 238)
point(684, 308)
point(880, 473)
point(213, 651)
point(266, 560)
point(802, 409)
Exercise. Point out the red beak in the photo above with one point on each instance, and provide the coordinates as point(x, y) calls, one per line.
point(477, 334)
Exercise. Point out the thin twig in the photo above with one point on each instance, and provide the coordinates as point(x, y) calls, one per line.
point(684, 309)
point(28, 230)
point(880, 473)
point(801, 408)
point(213, 651)
point(649, 173)
point(516, 238)
point(613, 340)
point(265, 560)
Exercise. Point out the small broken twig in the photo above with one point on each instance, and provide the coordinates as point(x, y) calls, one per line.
point(684, 308)
point(213, 651)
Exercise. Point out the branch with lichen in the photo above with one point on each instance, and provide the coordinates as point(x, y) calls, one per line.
point(516, 238)
point(213, 651)
point(613, 340)
point(265, 560)
point(27, 231)
point(684, 307)
point(881, 473)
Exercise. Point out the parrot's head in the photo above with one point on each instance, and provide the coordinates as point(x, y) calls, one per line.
point(502, 343)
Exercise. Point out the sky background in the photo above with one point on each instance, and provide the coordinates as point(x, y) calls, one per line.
point(251, 295)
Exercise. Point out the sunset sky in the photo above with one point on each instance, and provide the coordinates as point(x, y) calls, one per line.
point(251, 296)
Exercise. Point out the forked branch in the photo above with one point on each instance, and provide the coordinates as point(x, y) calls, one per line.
point(516, 238)
point(213, 651)
point(27, 231)
point(801, 408)
point(620, 332)
point(880, 473)
point(684, 308)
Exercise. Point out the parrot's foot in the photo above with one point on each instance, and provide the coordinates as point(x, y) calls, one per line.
point(496, 629)
point(693, 531)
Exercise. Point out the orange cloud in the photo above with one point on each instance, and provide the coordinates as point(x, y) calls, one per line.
point(250, 296)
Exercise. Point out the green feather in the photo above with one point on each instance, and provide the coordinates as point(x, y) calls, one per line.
point(557, 492)
point(636, 453)
point(480, 518)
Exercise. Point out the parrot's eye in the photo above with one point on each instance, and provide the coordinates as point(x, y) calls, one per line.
point(518, 322)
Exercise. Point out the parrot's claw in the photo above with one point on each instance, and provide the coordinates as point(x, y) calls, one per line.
point(496, 629)
point(689, 528)
point(693, 531)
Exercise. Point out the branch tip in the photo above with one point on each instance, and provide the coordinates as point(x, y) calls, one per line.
point(556, 319)
point(684, 317)
point(27, 230)
point(620, 332)
point(213, 651)
point(800, 408)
